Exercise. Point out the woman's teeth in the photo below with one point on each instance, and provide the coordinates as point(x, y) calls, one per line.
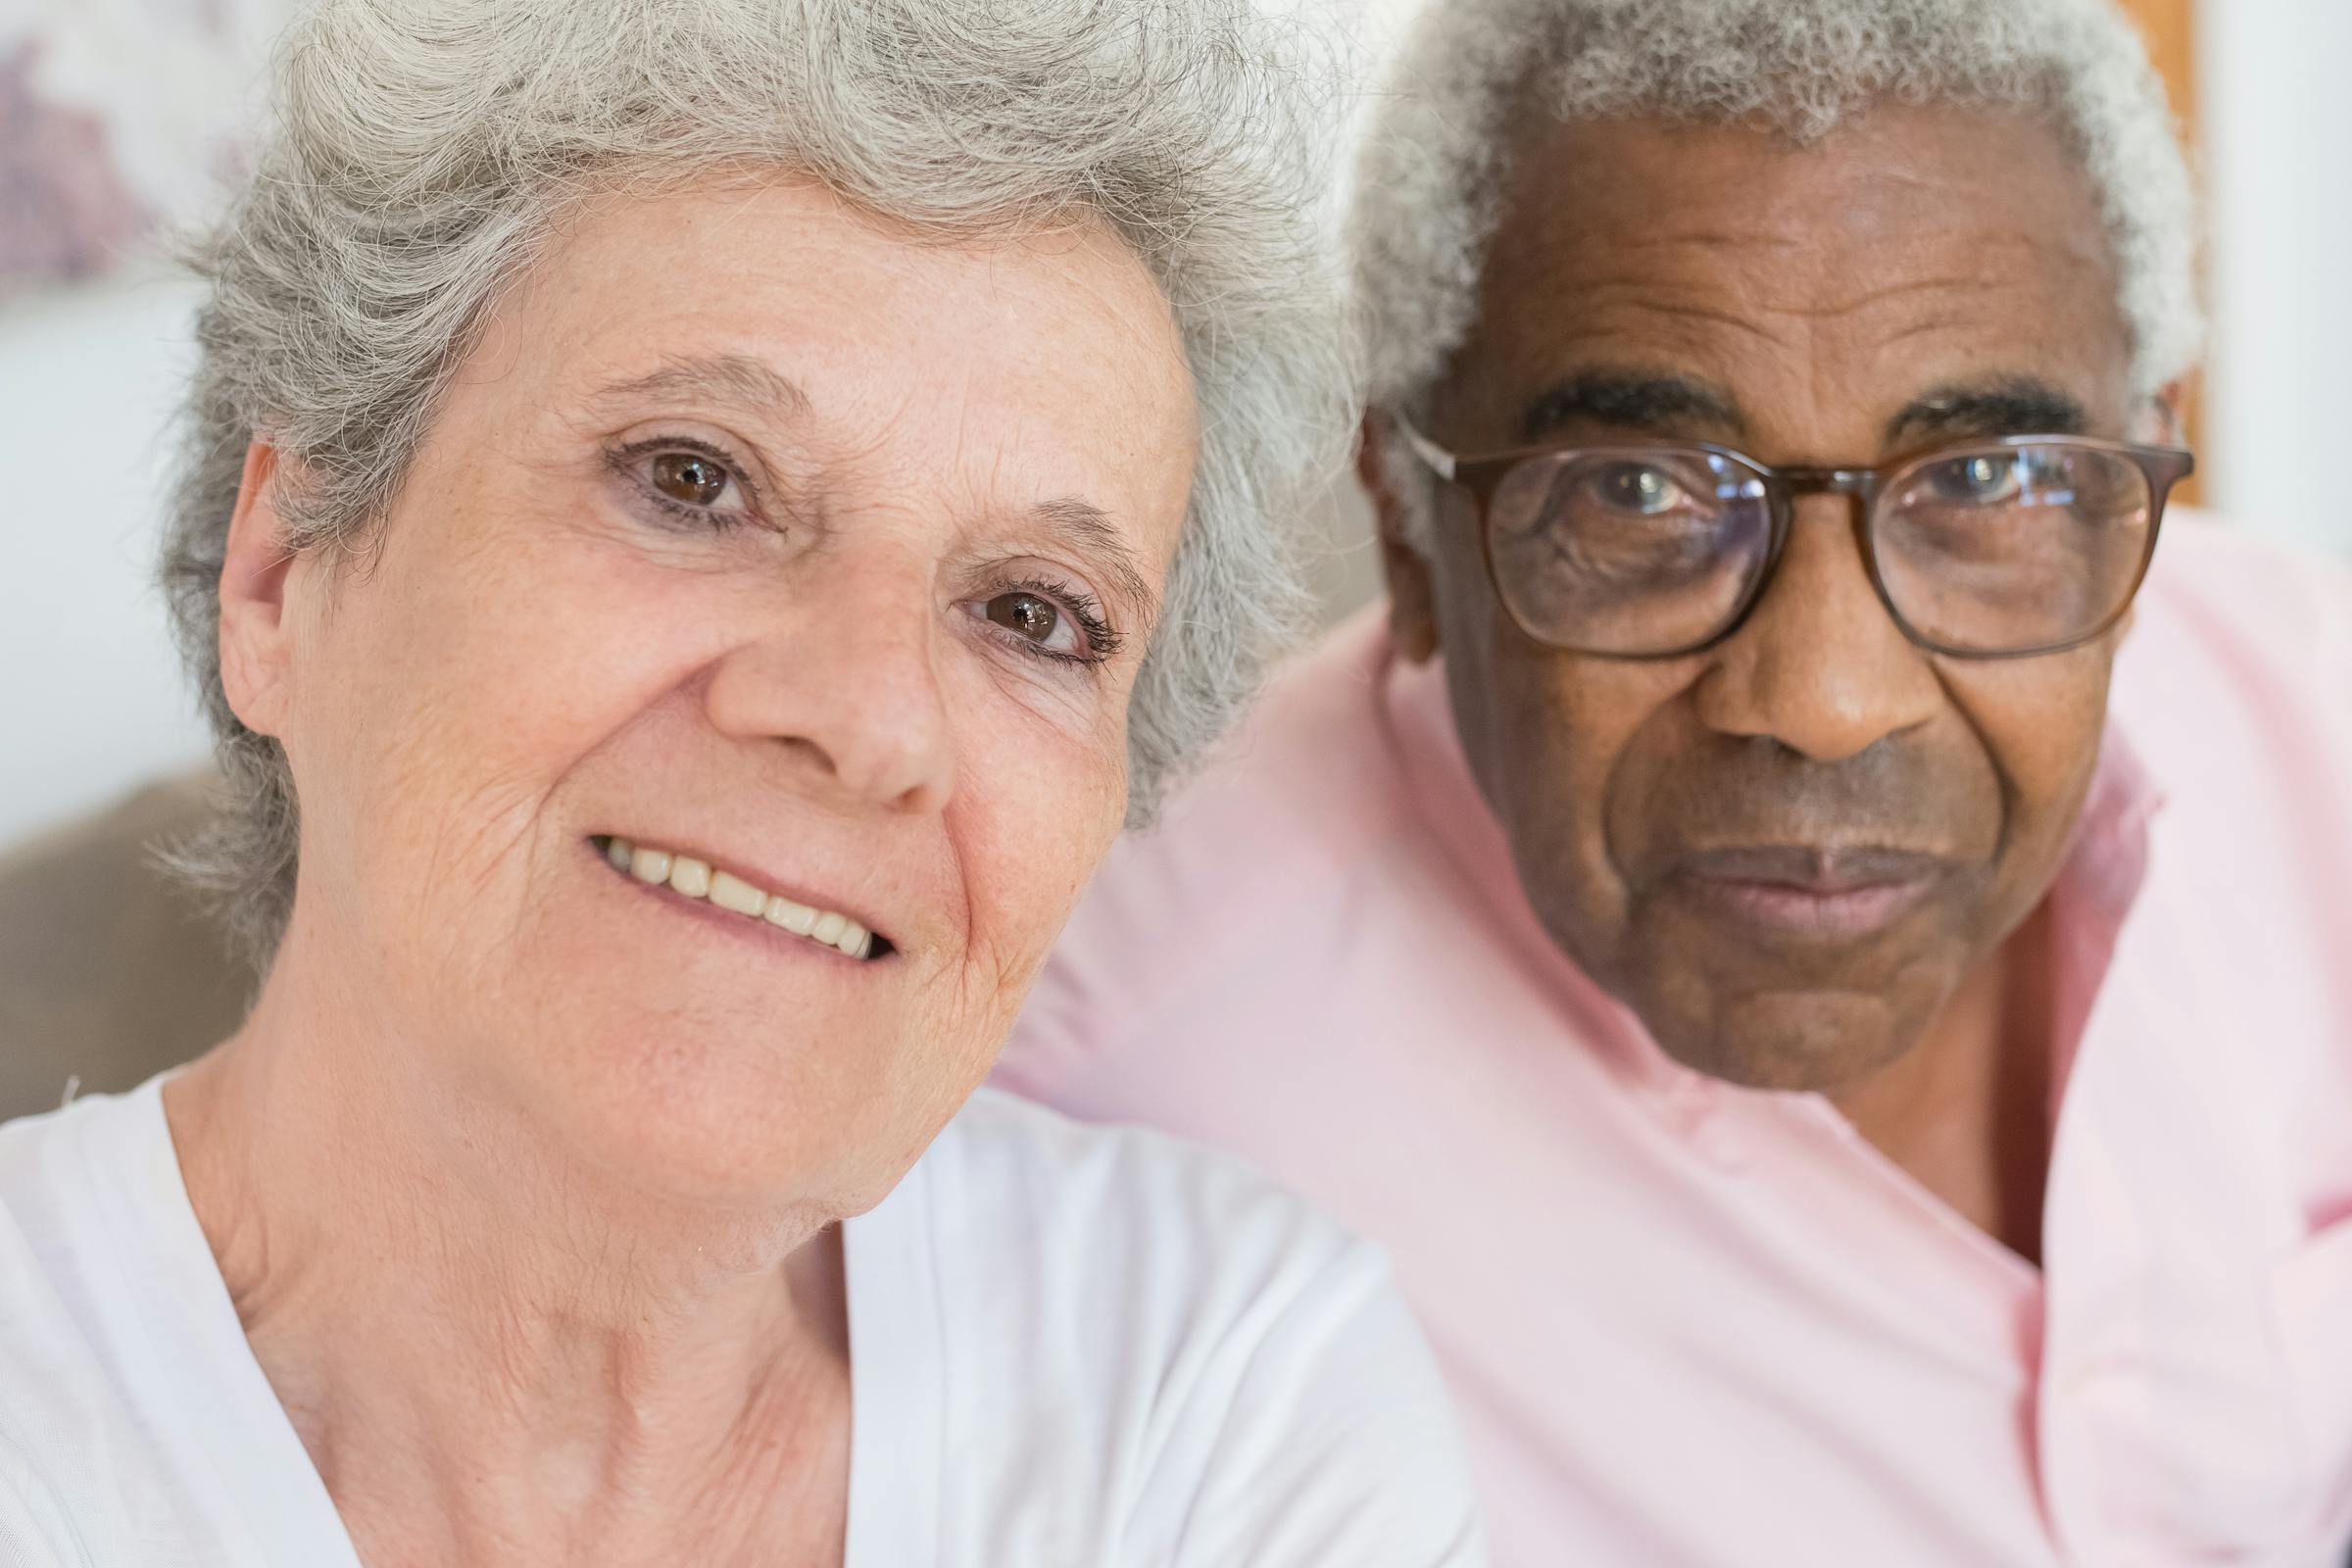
point(683, 873)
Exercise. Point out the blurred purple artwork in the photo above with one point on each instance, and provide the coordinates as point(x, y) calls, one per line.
point(64, 209)
point(118, 117)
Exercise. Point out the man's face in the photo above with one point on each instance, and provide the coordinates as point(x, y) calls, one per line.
point(1784, 852)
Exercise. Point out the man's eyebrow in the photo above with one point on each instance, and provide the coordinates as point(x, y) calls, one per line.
point(2016, 405)
point(1087, 529)
point(1661, 405)
point(731, 378)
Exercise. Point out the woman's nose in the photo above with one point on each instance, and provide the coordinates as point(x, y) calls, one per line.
point(1820, 665)
point(844, 679)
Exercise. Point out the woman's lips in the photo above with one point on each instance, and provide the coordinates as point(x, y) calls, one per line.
point(1824, 895)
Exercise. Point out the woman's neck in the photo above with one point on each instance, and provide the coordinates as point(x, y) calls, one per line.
point(491, 1353)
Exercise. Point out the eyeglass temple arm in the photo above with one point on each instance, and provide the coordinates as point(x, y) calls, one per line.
point(1440, 461)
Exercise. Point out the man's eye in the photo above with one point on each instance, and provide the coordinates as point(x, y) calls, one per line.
point(691, 479)
point(1637, 488)
point(1034, 619)
point(1985, 479)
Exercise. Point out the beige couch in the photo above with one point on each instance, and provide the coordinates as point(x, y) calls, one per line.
point(108, 971)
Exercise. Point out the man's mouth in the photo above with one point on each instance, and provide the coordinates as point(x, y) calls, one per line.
point(693, 878)
point(1836, 895)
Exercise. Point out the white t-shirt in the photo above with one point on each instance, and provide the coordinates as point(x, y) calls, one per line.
point(1069, 1345)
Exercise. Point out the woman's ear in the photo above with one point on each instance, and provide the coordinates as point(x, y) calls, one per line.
point(1412, 597)
point(256, 633)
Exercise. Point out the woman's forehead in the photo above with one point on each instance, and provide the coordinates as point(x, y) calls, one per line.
point(789, 250)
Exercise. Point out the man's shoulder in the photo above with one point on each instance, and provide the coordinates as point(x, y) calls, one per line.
point(2240, 661)
point(2235, 693)
point(2264, 613)
point(1311, 767)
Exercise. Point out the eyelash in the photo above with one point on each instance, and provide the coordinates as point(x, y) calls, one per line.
point(1081, 606)
point(1083, 613)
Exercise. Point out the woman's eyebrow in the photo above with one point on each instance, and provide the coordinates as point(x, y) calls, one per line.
point(1087, 530)
point(737, 379)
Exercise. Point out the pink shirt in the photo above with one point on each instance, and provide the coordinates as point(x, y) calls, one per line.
point(1688, 1323)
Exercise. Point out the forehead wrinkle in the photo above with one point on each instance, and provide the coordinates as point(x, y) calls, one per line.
point(1644, 297)
point(1626, 313)
point(1896, 293)
point(1960, 324)
point(1808, 294)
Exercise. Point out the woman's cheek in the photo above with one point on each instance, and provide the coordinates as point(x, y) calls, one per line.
point(1063, 705)
point(1034, 816)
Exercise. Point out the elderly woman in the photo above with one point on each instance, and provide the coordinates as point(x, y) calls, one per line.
point(703, 519)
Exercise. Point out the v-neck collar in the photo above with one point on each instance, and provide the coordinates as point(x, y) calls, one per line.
point(193, 1370)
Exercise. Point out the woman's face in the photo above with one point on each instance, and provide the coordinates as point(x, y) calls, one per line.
point(756, 535)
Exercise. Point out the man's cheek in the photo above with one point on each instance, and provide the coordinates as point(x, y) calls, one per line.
point(2043, 727)
point(1557, 818)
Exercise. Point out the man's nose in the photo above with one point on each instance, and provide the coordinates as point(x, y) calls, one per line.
point(844, 680)
point(1820, 665)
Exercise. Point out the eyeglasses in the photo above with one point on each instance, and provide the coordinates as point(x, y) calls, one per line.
point(1995, 549)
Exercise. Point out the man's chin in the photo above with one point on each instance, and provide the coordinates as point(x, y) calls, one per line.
point(1816, 1041)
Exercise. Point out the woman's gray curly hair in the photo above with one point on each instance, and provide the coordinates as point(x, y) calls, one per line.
point(423, 150)
point(1431, 172)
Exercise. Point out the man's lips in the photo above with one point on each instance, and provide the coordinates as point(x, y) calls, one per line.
point(1809, 892)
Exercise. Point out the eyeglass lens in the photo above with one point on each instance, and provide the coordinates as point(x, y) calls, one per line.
point(1995, 550)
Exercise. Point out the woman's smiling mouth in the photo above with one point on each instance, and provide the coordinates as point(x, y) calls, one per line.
point(697, 879)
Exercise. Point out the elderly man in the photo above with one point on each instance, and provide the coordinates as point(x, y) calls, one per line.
point(1835, 993)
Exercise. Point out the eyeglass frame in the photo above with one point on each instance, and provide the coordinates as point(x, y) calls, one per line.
point(1481, 476)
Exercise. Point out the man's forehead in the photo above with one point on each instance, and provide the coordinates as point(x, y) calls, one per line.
point(1908, 250)
point(1895, 161)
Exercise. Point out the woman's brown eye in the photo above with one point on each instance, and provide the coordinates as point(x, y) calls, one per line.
point(1033, 617)
point(689, 477)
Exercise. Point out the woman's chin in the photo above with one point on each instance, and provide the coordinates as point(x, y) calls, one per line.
point(728, 1114)
point(688, 1066)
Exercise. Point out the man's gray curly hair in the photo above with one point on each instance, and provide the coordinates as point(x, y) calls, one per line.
point(1431, 172)
point(423, 150)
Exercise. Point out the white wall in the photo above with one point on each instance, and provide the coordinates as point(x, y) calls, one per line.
point(90, 696)
point(2276, 112)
